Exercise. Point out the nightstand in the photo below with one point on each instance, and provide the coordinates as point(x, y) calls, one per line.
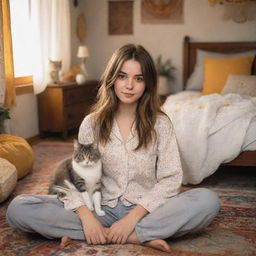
point(62, 107)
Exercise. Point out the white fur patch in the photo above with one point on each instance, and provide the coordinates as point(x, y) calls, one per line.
point(91, 174)
point(69, 184)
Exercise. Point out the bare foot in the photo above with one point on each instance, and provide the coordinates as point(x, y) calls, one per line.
point(158, 244)
point(65, 240)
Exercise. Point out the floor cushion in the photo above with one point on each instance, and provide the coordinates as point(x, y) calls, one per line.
point(18, 152)
point(8, 178)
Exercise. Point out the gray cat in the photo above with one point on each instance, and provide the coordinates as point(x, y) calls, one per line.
point(82, 173)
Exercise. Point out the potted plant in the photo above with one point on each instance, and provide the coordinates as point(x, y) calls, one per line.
point(4, 115)
point(165, 75)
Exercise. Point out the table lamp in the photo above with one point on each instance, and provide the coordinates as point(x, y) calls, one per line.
point(82, 54)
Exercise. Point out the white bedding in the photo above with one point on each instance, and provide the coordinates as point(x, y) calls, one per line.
point(211, 130)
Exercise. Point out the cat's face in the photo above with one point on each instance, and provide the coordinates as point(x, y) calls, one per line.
point(55, 64)
point(85, 155)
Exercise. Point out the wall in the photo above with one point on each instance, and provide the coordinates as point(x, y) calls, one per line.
point(24, 117)
point(201, 22)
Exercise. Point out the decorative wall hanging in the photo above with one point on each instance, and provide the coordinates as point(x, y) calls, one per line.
point(81, 28)
point(162, 11)
point(120, 17)
point(239, 11)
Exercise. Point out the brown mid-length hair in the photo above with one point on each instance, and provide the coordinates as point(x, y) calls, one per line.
point(148, 105)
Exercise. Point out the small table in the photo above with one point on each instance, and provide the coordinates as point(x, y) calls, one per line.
point(62, 107)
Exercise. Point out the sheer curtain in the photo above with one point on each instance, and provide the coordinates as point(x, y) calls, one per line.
point(8, 96)
point(50, 21)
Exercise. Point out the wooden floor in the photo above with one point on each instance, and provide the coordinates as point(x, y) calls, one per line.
point(73, 134)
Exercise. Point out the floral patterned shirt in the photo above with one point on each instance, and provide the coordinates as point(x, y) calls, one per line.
point(148, 176)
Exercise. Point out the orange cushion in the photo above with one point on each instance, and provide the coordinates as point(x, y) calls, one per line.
point(18, 152)
point(216, 71)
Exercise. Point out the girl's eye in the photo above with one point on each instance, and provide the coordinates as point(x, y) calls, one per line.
point(139, 79)
point(121, 76)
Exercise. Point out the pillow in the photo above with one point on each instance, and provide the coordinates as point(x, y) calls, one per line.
point(196, 79)
point(18, 152)
point(8, 178)
point(240, 84)
point(216, 71)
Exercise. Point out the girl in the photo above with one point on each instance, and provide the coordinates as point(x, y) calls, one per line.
point(142, 171)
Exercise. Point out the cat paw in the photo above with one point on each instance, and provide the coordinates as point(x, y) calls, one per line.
point(100, 213)
point(90, 207)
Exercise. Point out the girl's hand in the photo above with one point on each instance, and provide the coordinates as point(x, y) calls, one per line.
point(121, 230)
point(94, 231)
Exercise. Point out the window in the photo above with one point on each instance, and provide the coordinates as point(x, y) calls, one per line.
point(21, 41)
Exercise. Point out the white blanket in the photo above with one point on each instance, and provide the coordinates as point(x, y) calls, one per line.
point(210, 130)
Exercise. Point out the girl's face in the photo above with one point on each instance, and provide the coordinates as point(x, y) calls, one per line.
point(129, 85)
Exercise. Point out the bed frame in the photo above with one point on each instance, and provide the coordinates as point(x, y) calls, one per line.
point(246, 158)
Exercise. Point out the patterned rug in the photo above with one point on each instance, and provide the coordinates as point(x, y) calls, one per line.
point(232, 233)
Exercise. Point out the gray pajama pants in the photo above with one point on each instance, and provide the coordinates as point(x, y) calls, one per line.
point(187, 212)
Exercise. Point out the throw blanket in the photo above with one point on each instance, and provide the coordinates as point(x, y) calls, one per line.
point(210, 130)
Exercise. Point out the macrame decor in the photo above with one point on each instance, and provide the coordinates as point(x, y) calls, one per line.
point(239, 11)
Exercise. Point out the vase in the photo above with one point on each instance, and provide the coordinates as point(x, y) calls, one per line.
point(5, 127)
point(80, 78)
point(163, 87)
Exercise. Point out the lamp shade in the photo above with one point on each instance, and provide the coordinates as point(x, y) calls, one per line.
point(82, 51)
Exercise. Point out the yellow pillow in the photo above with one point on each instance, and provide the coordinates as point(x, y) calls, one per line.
point(217, 70)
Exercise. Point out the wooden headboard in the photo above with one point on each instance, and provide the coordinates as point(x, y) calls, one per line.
point(189, 52)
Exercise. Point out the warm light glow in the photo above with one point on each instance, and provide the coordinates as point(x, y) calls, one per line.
point(82, 51)
point(21, 37)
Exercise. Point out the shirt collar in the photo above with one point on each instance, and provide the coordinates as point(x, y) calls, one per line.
point(117, 133)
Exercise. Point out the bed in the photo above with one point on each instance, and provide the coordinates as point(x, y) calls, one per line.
point(191, 55)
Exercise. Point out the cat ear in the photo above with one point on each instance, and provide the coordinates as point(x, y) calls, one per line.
point(76, 144)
